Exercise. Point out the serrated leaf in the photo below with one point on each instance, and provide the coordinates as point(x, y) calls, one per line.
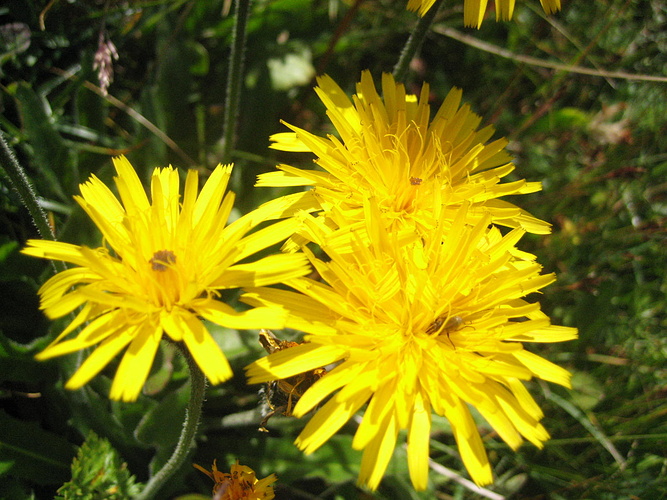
point(98, 473)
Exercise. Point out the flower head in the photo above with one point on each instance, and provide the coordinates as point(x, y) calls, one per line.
point(240, 483)
point(437, 325)
point(474, 10)
point(391, 154)
point(158, 273)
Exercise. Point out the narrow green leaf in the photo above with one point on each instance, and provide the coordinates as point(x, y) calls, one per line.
point(55, 161)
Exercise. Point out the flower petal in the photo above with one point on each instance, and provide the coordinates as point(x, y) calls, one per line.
point(136, 363)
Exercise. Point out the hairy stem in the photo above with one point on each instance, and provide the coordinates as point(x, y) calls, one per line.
point(234, 78)
point(188, 434)
point(21, 183)
point(414, 43)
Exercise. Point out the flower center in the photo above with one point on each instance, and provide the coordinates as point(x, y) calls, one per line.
point(162, 259)
point(166, 279)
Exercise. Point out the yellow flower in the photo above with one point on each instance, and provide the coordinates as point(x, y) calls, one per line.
point(433, 326)
point(390, 152)
point(240, 483)
point(474, 10)
point(158, 274)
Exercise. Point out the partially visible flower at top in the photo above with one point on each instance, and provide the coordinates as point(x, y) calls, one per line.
point(433, 326)
point(239, 484)
point(159, 274)
point(390, 152)
point(474, 10)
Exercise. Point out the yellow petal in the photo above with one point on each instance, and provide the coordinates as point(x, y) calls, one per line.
point(136, 363)
point(56, 250)
point(288, 141)
point(132, 193)
point(223, 315)
point(340, 376)
point(419, 437)
point(473, 12)
point(544, 369)
point(378, 453)
point(206, 353)
point(100, 357)
point(328, 419)
point(292, 361)
point(470, 445)
point(504, 9)
point(273, 269)
point(96, 331)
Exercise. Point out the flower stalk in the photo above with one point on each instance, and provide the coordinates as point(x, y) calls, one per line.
point(234, 78)
point(189, 432)
point(21, 183)
point(414, 43)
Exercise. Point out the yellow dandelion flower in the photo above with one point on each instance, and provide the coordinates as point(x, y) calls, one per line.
point(158, 274)
point(474, 10)
point(240, 483)
point(389, 151)
point(433, 326)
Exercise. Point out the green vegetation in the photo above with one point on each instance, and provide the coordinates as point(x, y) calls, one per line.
point(595, 140)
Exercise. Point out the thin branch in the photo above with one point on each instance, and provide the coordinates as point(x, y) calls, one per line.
point(533, 61)
point(450, 474)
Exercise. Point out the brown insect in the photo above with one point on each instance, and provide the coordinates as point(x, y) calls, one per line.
point(280, 396)
point(439, 326)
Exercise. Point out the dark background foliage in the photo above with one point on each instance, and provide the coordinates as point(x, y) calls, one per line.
point(596, 142)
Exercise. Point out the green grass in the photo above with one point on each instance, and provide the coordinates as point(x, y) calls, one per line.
point(596, 142)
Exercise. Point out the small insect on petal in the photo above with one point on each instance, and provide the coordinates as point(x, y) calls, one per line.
point(444, 324)
point(280, 396)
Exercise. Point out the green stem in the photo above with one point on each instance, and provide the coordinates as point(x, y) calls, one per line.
point(414, 42)
point(234, 78)
point(188, 434)
point(20, 181)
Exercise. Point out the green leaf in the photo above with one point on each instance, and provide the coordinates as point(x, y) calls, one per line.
point(586, 392)
point(54, 159)
point(14, 489)
point(98, 473)
point(33, 453)
point(562, 119)
point(162, 425)
point(21, 319)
